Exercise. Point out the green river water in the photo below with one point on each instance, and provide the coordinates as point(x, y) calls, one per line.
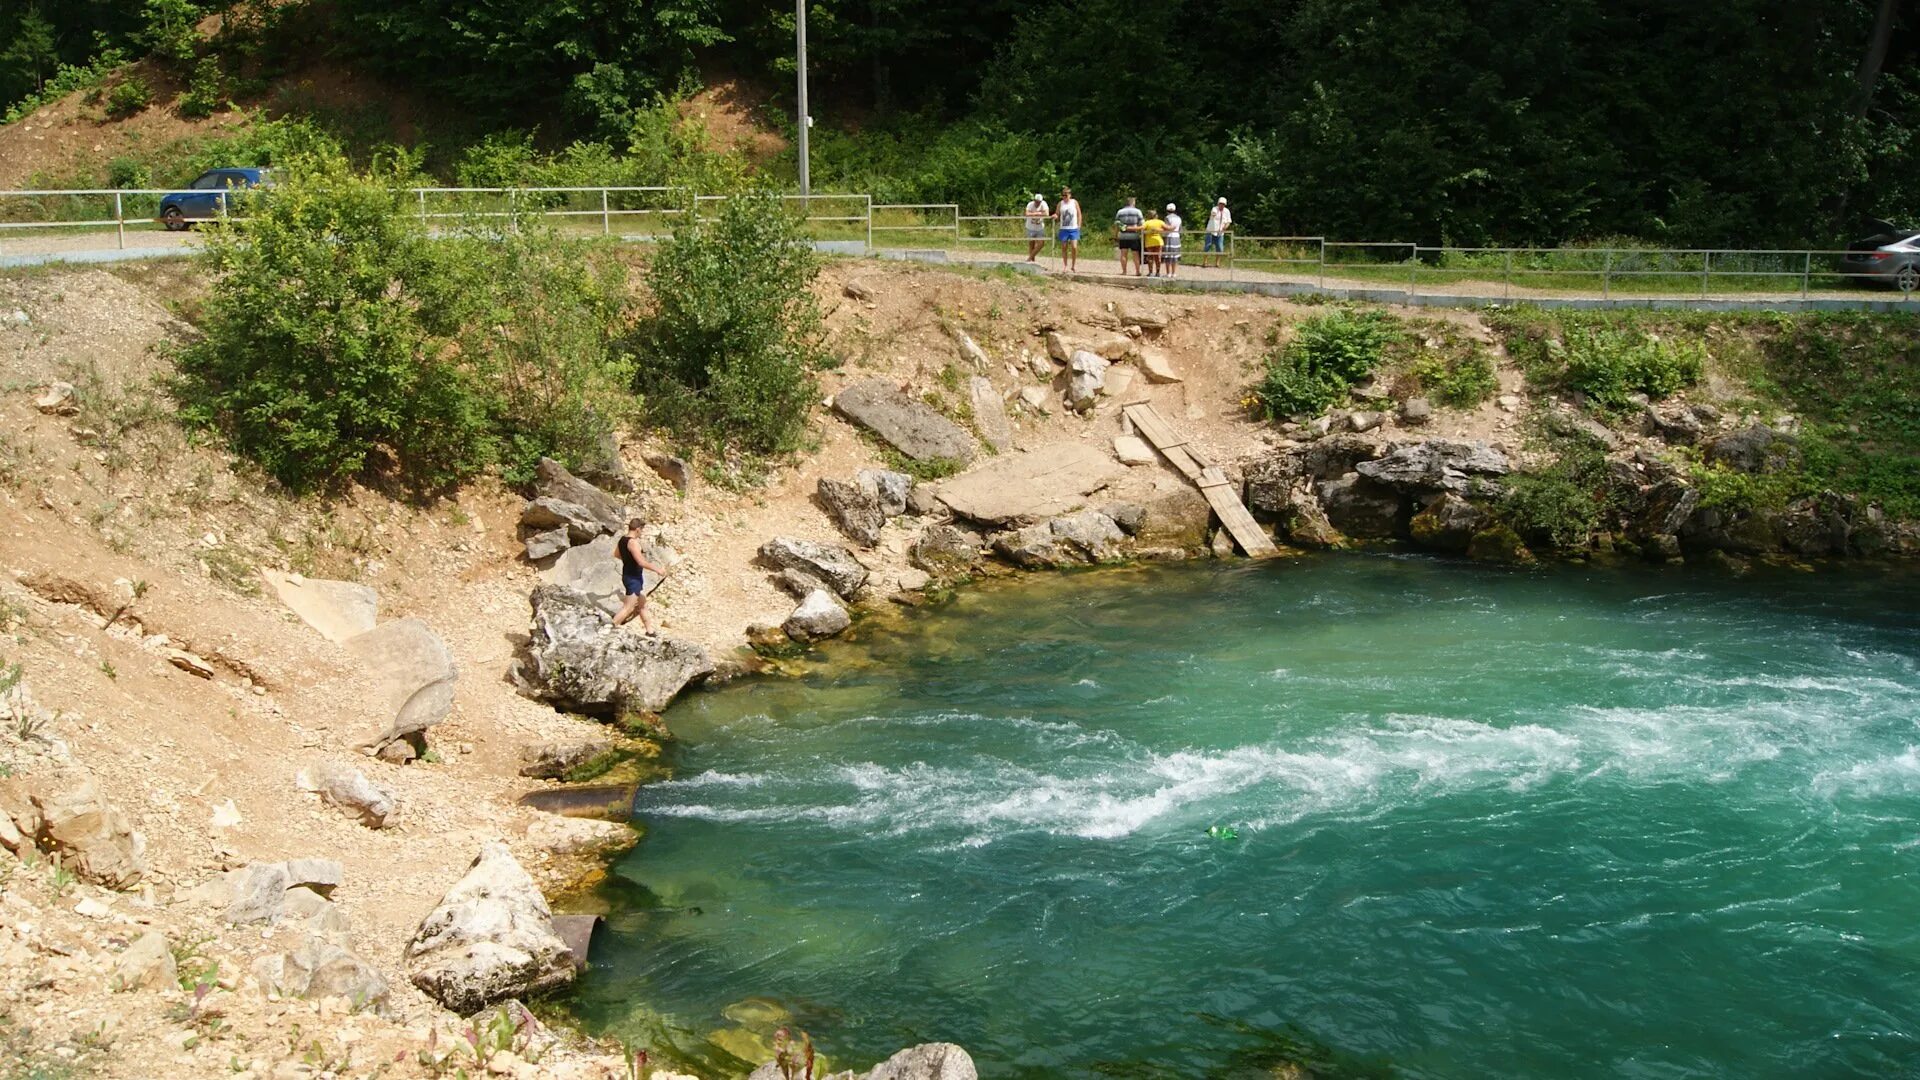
point(1566, 822)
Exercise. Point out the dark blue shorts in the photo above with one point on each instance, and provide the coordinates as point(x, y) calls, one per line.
point(1216, 242)
point(636, 582)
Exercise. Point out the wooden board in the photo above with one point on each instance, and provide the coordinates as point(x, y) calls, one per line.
point(1212, 482)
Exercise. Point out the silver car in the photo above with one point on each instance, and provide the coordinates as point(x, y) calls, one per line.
point(1889, 257)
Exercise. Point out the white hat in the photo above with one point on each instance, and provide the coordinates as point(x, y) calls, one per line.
point(1170, 206)
point(1223, 200)
point(1037, 196)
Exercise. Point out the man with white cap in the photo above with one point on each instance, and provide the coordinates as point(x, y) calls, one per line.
point(1170, 251)
point(1037, 215)
point(1219, 223)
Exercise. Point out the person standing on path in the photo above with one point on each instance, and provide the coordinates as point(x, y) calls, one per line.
point(634, 568)
point(1170, 252)
point(1219, 223)
point(1037, 215)
point(1069, 235)
point(1126, 226)
point(1153, 239)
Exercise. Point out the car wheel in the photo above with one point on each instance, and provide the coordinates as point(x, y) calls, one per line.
point(173, 219)
point(1908, 279)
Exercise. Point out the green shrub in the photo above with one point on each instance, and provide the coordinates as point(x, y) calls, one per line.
point(1610, 364)
point(125, 172)
point(129, 96)
point(1561, 504)
point(1729, 489)
point(205, 92)
point(1328, 354)
point(728, 353)
point(1461, 380)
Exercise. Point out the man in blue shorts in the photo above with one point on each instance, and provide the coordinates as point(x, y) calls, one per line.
point(634, 568)
point(1068, 213)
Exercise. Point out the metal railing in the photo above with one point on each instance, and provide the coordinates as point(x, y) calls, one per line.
point(66, 223)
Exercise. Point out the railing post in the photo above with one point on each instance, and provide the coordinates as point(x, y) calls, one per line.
point(606, 216)
point(1321, 281)
point(1413, 273)
point(1806, 276)
point(1506, 275)
point(1706, 268)
point(120, 220)
point(422, 192)
point(1606, 276)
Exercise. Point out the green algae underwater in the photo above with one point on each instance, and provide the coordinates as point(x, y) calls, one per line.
point(1371, 815)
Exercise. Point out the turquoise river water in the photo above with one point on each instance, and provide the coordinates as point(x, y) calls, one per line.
point(1567, 822)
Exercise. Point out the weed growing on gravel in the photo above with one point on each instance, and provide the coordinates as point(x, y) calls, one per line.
point(231, 568)
point(192, 965)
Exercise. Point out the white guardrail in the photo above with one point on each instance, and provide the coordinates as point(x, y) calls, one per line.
point(44, 225)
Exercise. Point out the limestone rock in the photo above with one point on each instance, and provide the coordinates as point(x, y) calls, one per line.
point(856, 510)
point(58, 399)
point(1176, 517)
point(412, 673)
point(1498, 543)
point(928, 1061)
point(1088, 536)
point(1677, 425)
point(1133, 450)
point(147, 964)
point(1448, 523)
point(1157, 367)
point(1086, 376)
point(1366, 421)
point(912, 580)
point(831, 563)
point(320, 968)
point(1144, 317)
point(1755, 448)
point(1029, 487)
point(490, 938)
point(593, 571)
point(1034, 398)
point(1435, 465)
point(1058, 348)
point(909, 426)
point(820, 615)
point(944, 550)
point(547, 513)
point(855, 290)
point(894, 490)
point(1307, 525)
point(1359, 507)
point(1119, 381)
point(337, 609)
point(971, 350)
point(989, 414)
point(1112, 347)
point(91, 837)
point(578, 660)
point(797, 583)
point(553, 760)
point(674, 470)
point(1575, 423)
point(1416, 411)
point(256, 892)
point(553, 481)
point(545, 545)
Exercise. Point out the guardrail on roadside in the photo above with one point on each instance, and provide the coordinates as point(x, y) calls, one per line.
point(57, 221)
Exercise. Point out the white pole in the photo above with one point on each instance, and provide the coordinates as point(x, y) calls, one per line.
point(800, 51)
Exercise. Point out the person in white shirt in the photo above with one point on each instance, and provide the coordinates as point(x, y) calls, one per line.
point(1069, 235)
point(1170, 252)
point(1219, 223)
point(1037, 215)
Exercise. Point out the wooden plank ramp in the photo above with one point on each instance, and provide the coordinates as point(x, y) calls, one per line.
point(1206, 476)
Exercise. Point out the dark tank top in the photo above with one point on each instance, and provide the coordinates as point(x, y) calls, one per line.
point(628, 564)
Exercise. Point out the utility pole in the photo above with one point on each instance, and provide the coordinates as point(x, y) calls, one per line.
point(806, 119)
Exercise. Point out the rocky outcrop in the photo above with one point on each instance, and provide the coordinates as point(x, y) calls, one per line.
point(578, 660)
point(553, 760)
point(907, 425)
point(1074, 539)
point(1448, 523)
point(830, 563)
point(856, 511)
point(945, 551)
point(412, 674)
point(1019, 489)
point(78, 829)
point(674, 470)
point(490, 938)
point(1755, 448)
point(1435, 465)
point(819, 615)
point(552, 482)
point(348, 789)
point(1361, 508)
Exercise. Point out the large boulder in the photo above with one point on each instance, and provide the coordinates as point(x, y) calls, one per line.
point(907, 425)
point(1361, 508)
point(1435, 465)
point(548, 514)
point(1272, 480)
point(348, 789)
point(1086, 377)
point(1304, 522)
point(1071, 540)
point(944, 550)
point(552, 481)
point(893, 490)
point(989, 414)
point(856, 510)
point(412, 674)
point(490, 938)
point(1448, 523)
point(928, 1061)
point(80, 830)
point(819, 615)
point(578, 660)
point(1176, 517)
point(1019, 489)
point(337, 609)
point(593, 571)
point(1755, 448)
point(831, 563)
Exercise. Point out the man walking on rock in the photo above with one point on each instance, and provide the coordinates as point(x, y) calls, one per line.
point(633, 574)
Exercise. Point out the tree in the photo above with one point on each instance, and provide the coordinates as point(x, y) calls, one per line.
point(31, 56)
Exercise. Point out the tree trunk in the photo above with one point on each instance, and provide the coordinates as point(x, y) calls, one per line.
point(1876, 57)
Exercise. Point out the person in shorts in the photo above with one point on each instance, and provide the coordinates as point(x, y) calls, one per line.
point(634, 569)
point(1170, 248)
point(1219, 223)
point(1068, 215)
point(1126, 228)
point(1153, 240)
point(1037, 215)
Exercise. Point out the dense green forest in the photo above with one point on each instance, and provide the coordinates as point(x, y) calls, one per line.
point(1741, 122)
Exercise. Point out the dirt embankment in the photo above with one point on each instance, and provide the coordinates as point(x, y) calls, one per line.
point(158, 665)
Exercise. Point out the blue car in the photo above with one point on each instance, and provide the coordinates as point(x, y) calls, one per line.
point(204, 198)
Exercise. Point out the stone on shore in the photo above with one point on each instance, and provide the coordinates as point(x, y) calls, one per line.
point(553, 760)
point(1086, 377)
point(337, 609)
point(591, 570)
point(576, 659)
point(1435, 465)
point(908, 425)
point(989, 414)
point(490, 938)
point(348, 789)
point(147, 964)
point(545, 545)
point(820, 615)
point(855, 509)
point(552, 481)
point(1070, 540)
point(894, 490)
point(1018, 489)
point(928, 1061)
point(944, 550)
point(412, 674)
point(833, 564)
